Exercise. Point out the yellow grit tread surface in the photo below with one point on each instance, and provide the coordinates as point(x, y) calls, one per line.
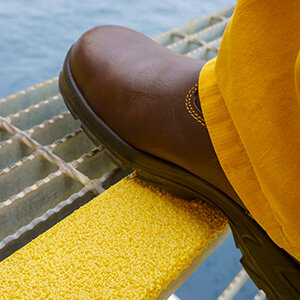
point(130, 242)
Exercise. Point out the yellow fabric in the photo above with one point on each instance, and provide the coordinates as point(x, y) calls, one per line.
point(130, 242)
point(249, 100)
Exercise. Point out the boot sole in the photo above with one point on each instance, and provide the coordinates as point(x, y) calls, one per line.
point(271, 268)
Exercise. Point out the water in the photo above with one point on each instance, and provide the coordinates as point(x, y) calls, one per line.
point(34, 38)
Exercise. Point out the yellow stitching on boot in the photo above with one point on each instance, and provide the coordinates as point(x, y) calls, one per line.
point(192, 111)
point(190, 108)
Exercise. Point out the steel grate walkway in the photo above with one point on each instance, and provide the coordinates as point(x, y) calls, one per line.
point(48, 166)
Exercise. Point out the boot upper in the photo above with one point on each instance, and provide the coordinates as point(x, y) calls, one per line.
point(147, 94)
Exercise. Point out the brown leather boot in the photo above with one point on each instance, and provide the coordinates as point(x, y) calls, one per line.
point(140, 100)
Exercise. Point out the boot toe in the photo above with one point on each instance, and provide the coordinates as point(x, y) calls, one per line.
point(94, 65)
point(111, 66)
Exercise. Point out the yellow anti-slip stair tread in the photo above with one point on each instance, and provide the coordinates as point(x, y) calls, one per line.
point(130, 242)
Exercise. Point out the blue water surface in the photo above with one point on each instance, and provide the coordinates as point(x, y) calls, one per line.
point(34, 38)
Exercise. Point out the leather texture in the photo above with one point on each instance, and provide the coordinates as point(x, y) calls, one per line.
point(148, 95)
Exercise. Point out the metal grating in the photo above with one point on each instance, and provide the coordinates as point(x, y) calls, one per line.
point(48, 166)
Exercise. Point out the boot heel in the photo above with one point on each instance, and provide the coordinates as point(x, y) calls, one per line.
point(270, 267)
